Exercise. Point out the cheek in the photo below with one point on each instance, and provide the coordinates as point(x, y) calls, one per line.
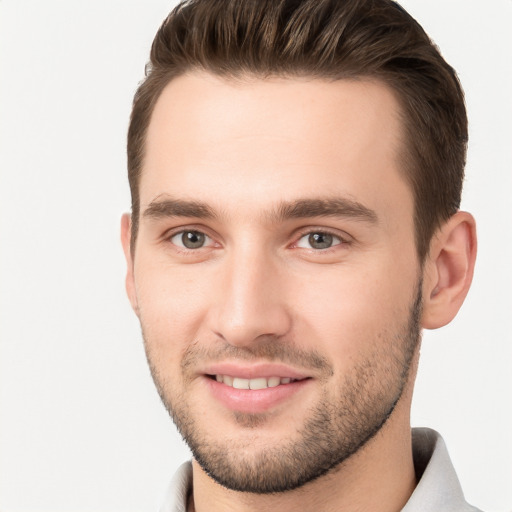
point(171, 303)
point(352, 312)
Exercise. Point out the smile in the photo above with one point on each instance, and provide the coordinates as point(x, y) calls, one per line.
point(254, 387)
point(255, 383)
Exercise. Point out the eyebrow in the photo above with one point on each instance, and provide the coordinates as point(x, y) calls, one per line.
point(162, 208)
point(328, 207)
point(298, 209)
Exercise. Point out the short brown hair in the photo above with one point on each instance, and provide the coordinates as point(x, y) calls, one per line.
point(332, 40)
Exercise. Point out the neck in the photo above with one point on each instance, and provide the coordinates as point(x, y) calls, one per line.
point(380, 476)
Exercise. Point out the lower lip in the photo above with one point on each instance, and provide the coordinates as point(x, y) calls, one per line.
point(256, 401)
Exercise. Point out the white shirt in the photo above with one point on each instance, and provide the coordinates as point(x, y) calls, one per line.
point(438, 489)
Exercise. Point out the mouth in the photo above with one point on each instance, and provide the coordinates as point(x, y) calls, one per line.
point(256, 383)
point(256, 388)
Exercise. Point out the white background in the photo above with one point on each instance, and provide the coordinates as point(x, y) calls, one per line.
point(81, 426)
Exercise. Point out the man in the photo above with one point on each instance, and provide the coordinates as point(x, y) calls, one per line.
point(296, 170)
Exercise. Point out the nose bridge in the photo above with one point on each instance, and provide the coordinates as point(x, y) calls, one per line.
point(251, 299)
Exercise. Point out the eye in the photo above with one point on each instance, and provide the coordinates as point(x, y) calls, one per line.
point(191, 239)
point(318, 240)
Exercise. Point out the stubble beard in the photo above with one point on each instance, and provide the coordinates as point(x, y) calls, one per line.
point(338, 426)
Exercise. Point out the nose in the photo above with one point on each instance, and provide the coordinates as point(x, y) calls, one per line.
point(250, 302)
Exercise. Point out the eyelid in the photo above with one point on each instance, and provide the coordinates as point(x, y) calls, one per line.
point(171, 233)
point(207, 240)
point(343, 237)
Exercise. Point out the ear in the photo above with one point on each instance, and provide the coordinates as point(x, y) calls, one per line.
point(126, 235)
point(448, 270)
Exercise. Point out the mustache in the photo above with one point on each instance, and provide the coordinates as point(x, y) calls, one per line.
point(269, 349)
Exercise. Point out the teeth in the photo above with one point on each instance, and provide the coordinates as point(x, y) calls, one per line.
point(257, 383)
point(273, 382)
point(241, 383)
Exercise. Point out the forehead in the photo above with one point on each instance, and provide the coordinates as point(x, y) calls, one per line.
point(245, 143)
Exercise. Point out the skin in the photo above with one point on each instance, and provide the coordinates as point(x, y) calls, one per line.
point(241, 150)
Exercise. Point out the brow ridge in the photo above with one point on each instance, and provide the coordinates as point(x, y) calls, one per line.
point(325, 207)
point(170, 207)
point(297, 209)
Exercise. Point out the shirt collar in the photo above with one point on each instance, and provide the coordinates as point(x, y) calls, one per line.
point(438, 488)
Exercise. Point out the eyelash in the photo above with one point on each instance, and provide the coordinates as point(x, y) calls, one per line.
point(342, 240)
point(185, 250)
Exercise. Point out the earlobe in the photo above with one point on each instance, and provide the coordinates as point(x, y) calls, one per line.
point(126, 242)
point(449, 270)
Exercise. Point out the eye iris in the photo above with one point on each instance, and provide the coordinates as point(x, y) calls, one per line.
point(193, 239)
point(320, 240)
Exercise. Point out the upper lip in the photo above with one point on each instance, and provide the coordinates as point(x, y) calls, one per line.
point(254, 371)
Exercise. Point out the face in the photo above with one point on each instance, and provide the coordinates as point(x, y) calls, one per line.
point(275, 273)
